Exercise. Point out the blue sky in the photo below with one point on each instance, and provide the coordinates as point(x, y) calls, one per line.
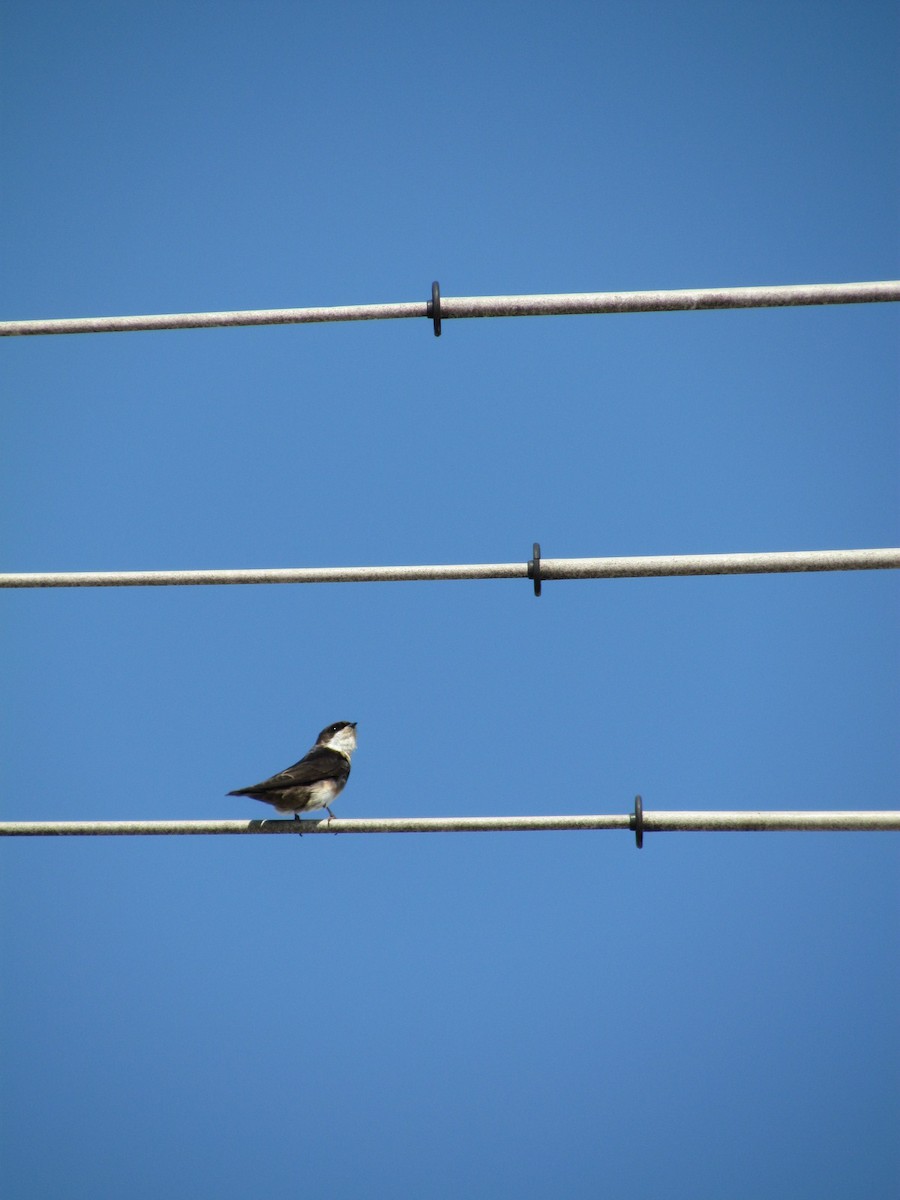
point(522, 1015)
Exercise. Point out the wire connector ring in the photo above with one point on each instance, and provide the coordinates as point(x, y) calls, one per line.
point(637, 822)
point(433, 308)
point(534, 567)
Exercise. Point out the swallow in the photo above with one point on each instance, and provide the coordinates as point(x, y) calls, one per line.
point(315, 780)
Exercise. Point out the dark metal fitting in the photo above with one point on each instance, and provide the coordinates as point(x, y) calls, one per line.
point(433, 308)
point(534, 568)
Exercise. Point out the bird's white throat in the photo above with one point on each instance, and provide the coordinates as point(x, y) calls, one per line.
point(344, 741)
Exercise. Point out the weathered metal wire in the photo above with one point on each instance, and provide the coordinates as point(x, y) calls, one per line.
point(556, 304)
point(653, 822)
point(551, 568)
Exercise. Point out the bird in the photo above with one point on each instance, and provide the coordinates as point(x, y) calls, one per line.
point(315, 780)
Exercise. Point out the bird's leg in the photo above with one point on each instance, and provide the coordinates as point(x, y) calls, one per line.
point(330, 813)
point(297, 818)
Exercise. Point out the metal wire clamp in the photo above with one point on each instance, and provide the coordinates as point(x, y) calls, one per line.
point(433, 308)
point(636, 822)
point(534, 568)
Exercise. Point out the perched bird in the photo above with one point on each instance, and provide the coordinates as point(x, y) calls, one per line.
point(316, 779)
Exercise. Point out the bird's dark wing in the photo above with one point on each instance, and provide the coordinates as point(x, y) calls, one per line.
point(320, 763)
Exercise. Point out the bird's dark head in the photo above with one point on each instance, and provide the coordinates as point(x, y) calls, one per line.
point(339, 736)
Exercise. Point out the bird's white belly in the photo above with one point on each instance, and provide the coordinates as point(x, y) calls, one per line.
point(321, 794)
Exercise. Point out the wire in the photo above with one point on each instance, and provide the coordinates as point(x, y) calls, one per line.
point(560, 304)
point(653, 822)
point(551, 568)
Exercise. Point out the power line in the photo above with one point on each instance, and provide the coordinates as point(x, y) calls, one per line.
point(550, 569)
point(450, 307)
point(653, 822)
